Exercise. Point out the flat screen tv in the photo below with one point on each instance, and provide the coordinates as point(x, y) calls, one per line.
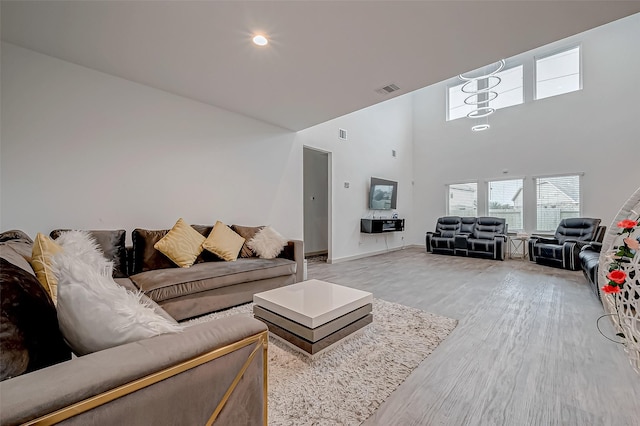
point(383, 194)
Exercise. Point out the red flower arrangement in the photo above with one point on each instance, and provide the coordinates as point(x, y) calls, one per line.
point(627, 224)
point(611, 289)
point(616, 276)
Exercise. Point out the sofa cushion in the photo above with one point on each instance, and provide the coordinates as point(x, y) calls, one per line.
point(483, 235)
point(267, 243)
point(182, 244)
point(223, 242)
point(548, 251)
point(448, 234)
point(29, 334)
point(205, 256)
point(164, 284)
point(94, 312)
point(14, 234)
point(577, 229)
point(467, 224)
point(448, 224)
point(145, 257)
point(443, 242)
point(486, 228)
point(481, 244)
point(19, 241)
point(129, 285)
point(82, 245)
point(8, 253)
point(246, 232)
point(112, 244)
point(43, 249)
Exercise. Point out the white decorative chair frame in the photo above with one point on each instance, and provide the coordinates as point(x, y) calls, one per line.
point(624, 307)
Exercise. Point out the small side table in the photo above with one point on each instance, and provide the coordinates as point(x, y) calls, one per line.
point(518, 244)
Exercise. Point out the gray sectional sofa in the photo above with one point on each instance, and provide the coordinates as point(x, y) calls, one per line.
point(208, 286)
point(213, 370)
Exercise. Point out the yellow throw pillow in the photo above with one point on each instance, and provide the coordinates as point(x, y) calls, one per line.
point(223, 242)
point(43, 250)
point(182, 244)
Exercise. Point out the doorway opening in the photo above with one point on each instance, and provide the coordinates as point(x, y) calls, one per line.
point(317, 218)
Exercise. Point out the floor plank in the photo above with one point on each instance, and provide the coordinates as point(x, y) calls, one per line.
point(526, 350)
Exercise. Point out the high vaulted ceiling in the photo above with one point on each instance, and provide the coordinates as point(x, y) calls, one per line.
point(325, 58)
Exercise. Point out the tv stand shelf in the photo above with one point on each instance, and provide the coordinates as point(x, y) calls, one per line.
point(378, 226)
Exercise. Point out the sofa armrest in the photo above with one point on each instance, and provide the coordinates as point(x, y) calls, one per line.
point(294, 250)
point(98, 385)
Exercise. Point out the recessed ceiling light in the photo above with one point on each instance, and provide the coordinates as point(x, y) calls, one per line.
point(260, 40)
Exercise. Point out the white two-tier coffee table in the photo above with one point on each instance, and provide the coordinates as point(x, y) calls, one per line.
point(313, 315)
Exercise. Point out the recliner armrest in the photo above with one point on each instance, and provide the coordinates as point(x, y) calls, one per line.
point(578, 243)
point(592, 246)
point(460, 241)
point(427, 239)
point(544, 240)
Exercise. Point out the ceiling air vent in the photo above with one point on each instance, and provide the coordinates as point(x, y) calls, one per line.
point(388, 89)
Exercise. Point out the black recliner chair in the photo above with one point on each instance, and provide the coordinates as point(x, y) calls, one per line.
point(489, 238)
point(589, 259)
point(442, 241)
point(563, 250)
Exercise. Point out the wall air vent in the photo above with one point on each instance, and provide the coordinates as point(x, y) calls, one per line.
point(342, 134)
point(388, 89)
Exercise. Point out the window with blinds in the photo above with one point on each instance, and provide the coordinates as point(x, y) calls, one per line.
point(558, 73)
point(506, 201)
point(463, 199)
point(557, 198)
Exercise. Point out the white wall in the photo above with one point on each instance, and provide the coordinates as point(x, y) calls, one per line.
point(594, 130)
point(372, 134)
point(87, 150)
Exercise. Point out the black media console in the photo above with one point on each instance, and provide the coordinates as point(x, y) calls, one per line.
point(378, 226)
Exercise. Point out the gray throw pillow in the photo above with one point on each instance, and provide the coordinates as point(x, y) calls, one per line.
point(112, 245)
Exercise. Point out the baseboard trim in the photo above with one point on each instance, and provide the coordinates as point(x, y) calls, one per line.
point(373, 253)
point(316, 253)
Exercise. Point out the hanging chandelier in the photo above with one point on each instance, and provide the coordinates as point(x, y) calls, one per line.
point(480, 88)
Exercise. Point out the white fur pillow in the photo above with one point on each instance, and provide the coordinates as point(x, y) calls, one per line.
point(81, 245)
point(267, 243)
point(96, 313)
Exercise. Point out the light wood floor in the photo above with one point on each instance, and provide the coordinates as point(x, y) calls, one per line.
point(526, 350)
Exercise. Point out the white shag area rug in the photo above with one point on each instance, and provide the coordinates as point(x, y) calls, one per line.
point(345, 384)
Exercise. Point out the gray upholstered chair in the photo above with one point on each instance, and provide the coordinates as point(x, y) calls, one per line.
point(563, 250)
